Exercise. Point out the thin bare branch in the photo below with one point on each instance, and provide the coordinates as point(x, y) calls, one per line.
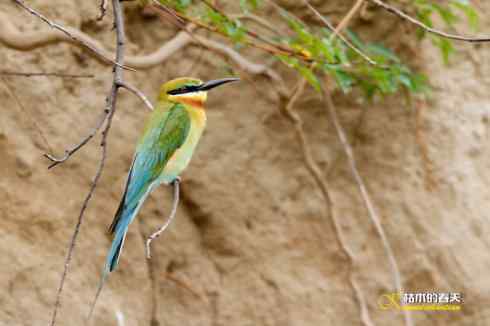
point(110, 111)
point(373, 215)
point(67, 32)
point(112, 99)
point(102, 9)
point(138, 93)
point(434, 31)
point(286, 109)
point(347, 18)
point(74, 236)
point(150, 264)
point(258, 20)
point(12, 37)
point(339, 34)
point(44, 74)
point(173, 212)
point(365, 317)
point(83, 142)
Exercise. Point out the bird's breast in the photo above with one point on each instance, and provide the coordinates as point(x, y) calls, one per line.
point(181, 158)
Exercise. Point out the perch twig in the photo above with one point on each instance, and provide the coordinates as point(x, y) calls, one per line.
point(173, 212)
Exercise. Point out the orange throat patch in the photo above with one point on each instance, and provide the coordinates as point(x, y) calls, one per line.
point(192, 102)
point(196, 99)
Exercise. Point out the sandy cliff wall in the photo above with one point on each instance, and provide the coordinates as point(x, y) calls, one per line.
point(251, 238)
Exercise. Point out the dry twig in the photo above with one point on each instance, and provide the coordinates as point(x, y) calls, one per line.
point(418, 23)
point(286, 108)
point(258, 20)
point(102, 9)
point(112, 98)
point(373, 215)
point(347, 18)
point(44, 74)
point(175, 204)
point(337, 31)
point(83, 142)
point(138, 93)
point(13, 38)
point(75, 38)
point(109, 114)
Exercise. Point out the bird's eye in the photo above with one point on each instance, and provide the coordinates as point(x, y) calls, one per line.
point(175, 91)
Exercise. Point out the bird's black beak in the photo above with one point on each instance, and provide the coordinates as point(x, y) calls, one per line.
point(215, 83)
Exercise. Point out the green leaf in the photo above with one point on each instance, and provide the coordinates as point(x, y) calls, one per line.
point(292, 62)
point(354, 38)
point(235, 31)
point(327, 49)
point(179, 5)
point(306, 72)
point(231, 28)
point(249, 5)
point(382, 52)
point(445, 46)
point(310, 77)
point(470, 12)
point(446, 14)
point(344, 80)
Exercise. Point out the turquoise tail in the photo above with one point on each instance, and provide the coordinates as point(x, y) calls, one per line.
point(119, 229)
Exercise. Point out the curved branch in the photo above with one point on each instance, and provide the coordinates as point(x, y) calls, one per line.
point(138, 93)
point(372, 213)
point(26, 41)
point(103, 9)
point(13, 38)
point(286, 108)
point(78, 38)
point(434, 31)
point(83, 142)
point(171, 217)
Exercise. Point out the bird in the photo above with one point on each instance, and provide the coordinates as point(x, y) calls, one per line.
point(165, 149)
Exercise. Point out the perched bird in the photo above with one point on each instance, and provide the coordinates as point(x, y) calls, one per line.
point(164, 151)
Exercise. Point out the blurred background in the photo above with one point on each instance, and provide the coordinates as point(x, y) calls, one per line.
point(253, 242)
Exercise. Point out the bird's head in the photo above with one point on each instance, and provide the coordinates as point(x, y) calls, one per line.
point(189, 91)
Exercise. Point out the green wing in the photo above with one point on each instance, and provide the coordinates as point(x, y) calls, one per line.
point(166, 131)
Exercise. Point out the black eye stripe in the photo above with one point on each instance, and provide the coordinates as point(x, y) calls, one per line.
point(184, 89)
